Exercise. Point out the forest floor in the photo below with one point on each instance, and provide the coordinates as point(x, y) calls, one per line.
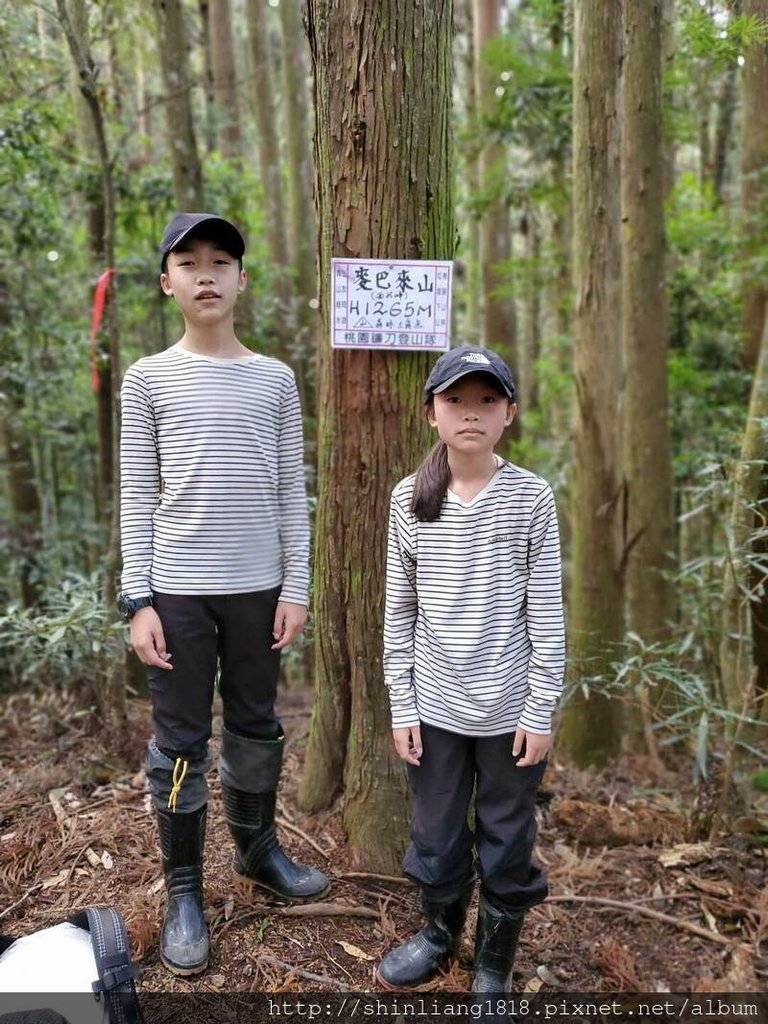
point(638, 903)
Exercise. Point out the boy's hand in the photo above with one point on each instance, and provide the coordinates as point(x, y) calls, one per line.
point(289, 622)
point(148, 640)
point(408, 743)
point(536, 748)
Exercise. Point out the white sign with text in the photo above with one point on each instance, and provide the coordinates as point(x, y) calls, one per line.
point(391, 304)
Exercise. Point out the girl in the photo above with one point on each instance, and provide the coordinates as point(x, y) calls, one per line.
point(474, 653)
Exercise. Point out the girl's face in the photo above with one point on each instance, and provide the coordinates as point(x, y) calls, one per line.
point(471, 415)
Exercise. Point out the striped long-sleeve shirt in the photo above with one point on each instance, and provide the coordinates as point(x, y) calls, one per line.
point(213, 496)
point(474, 641)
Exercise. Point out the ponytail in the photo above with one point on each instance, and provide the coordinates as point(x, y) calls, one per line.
point(431, 484)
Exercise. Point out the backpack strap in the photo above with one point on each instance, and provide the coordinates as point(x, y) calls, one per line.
point(117, 972)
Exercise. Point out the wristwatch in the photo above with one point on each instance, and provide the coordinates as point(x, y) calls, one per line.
point(128, 606)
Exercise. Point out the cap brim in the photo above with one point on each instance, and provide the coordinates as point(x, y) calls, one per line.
point(464, 373)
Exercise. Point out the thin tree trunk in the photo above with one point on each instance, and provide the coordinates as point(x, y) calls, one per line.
point(224, 66)
point(384, 188)
point(109, 687)
point(647, 449)
point(754, 201)
point(499, 323)
point(209, 122)
point(749, 511)
point(182, 145)
point(302, 218)
point(725, 110)
point(473, 330)
point(669, 48)
point(590, 729)
point(102, 368)
point(26, 515)
point(262, 77)
point(754, 186)
point(530, 350)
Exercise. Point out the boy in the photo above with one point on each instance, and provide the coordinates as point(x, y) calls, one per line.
point(215, 538)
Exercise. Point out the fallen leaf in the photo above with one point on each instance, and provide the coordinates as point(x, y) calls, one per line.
point(533, 984)
point(156, 887)
point(354, 951)
point(218, 980)
point(548, 977)
point(93, 858)
point(686, 853)
point(54, 880)
point(229, 906)
point(106, 860)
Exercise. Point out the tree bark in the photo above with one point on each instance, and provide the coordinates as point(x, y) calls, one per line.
point(647, 448)
point(172, 46)
point(754, 201)
point(473, 287)
point(749, 511)
point(109, 685)
point(102, 375)
point(499, 316)
point(26, 518)
point(384, 189)
point(591, 726)
point(209, 122)
point(226, 105)
point(754, 185)
point(302, 219)
point(262, 76)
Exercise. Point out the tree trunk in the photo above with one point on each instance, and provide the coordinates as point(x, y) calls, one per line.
point(725, 109)
point(226, 106)
point(473, 285)
point(102, 366)
point(647, 451)
point(754, 193)
point(530, 350)
point(384, 188)
point(302, 219)
point(26, 517)
point(499, 324)
point(669, 48)
point(172, 46)
point(749, 511)
point(262, 76)
point(109, 686)
point(209, 122)
point(754, 185)
point(590, 730)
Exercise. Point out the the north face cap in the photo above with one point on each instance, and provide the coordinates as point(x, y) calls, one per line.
point(458, 362)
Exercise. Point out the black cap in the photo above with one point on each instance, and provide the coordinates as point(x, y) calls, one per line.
point(217, 229)
point(458, 362)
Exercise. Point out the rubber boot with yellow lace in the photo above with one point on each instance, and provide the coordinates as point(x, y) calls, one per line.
point(184, 943)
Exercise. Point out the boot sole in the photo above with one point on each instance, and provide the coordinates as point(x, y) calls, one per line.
point(183, 972)
point(282, 895)
point(411, 988)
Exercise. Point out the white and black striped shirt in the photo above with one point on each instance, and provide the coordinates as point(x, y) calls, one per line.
point(213, 496)
point(474, 641)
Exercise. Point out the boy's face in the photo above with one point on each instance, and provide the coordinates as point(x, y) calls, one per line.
point(205, 281)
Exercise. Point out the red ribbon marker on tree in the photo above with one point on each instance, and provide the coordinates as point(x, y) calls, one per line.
point(99, 303)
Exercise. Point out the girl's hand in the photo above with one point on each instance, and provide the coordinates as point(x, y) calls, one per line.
point(408, 743)
point(536, 747)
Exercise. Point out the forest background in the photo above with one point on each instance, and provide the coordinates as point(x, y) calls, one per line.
point(598, 172)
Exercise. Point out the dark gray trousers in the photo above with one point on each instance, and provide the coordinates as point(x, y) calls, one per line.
point(440, 856)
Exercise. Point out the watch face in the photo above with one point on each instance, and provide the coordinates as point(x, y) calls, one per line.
point(125, 606)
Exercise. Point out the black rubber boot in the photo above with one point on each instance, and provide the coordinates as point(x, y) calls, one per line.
point(258, 856)
point(430, 949)
point(495, 946)
point(184, 939)
point(249, 770)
